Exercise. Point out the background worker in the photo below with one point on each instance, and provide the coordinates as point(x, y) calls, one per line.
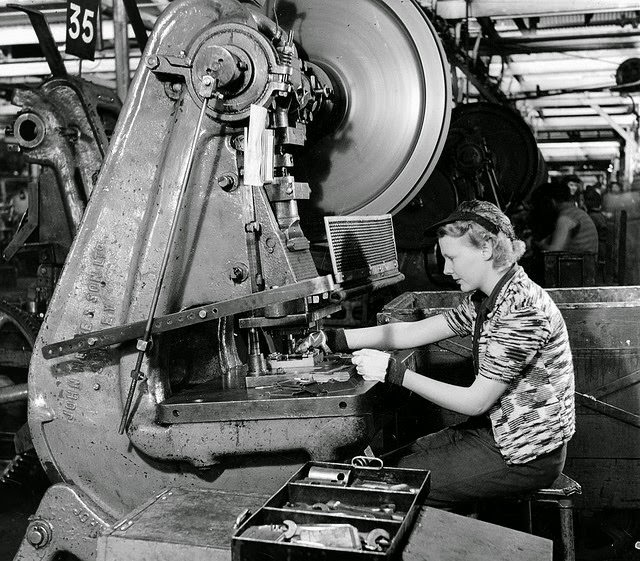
point(593, 202)
point(521, 403)
point(574, 231)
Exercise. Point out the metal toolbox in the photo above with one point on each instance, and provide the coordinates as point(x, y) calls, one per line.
point(335, 511)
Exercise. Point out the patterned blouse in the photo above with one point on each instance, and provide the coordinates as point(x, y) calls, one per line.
point(522, 341)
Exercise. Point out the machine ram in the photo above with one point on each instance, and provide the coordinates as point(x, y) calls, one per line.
point(164, 359)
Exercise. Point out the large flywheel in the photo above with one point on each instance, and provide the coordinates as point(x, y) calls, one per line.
point(392, 86)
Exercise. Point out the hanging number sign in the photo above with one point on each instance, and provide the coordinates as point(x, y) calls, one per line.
point(82, 18)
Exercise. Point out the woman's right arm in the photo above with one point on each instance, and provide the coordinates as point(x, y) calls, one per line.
point(401, 335)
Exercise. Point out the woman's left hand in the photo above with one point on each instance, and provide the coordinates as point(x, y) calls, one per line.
point(371, 364)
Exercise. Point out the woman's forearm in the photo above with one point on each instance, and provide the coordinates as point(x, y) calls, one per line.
point(473, 400)
point(401, 335)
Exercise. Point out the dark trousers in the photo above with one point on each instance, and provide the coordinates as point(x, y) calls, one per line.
point(466, 465)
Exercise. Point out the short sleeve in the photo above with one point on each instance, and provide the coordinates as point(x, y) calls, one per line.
point(460, 319)
point(514, 342)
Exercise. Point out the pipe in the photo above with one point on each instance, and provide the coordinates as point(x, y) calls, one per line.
point(9, 394)
point(268, 26)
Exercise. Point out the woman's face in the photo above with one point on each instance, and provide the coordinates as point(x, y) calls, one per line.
point(465, 263)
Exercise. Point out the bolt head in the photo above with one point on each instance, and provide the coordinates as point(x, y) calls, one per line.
point(35, 536)
point(152, 62)
point(202, 314)
point(38, 534)
point(224, 181)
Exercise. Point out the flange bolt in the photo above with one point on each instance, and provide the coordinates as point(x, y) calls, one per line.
point(227, 182)
point(239, 273)
point(152, 62)
point(39, 533)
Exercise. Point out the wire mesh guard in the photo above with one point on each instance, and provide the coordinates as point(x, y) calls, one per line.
point(361, 247)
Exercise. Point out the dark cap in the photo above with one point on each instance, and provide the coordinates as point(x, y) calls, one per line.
point(483, 213)
point(458, 215)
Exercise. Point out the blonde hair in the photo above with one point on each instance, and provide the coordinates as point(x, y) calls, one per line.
point(507, 248)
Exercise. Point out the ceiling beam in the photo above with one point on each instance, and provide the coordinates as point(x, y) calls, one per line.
point(622, 39)
point(15, 69)
point(565, 136)
point(603, 99)
point(457, 9)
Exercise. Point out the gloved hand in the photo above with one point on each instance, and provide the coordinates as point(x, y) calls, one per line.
point(325, 340)
point(379, 366)
point(315, 340)
point(371, 364)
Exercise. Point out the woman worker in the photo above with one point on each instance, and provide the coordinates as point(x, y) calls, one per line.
point(521, 404)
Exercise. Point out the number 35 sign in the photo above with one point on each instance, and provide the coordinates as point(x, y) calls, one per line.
point(82, 17)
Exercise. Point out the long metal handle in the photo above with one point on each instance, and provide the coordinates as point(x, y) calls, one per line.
point(207, 89)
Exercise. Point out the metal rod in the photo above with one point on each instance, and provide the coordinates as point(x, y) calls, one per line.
point(121, 47)
point(180, 320)
point(348, 293)
point(206, 90)
point(17, 392)
point(139, 30)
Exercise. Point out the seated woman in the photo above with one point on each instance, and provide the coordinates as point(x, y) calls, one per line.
point(521, 404)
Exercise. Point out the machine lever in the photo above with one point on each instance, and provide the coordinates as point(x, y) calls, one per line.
point(177, 320)
point(207, 90)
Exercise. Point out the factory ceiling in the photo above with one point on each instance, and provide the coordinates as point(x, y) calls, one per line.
point(557, 61)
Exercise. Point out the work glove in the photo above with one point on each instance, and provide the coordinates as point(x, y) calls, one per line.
point(379, 366)
point(325, 340)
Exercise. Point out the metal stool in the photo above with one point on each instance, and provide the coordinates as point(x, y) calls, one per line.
point(561, 494)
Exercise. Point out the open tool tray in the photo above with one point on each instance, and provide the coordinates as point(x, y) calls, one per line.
point(370, 499)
